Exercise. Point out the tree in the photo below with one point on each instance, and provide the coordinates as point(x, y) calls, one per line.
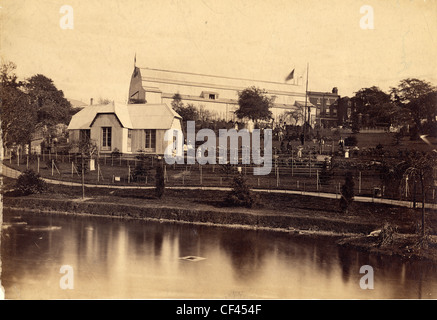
point(50, 104)
point(297, 114)
point(18, 117)
point(375, 107)
point(421, 169)
point(418, 97)
point(347, 192)
point(240, 195)
point(254, 105)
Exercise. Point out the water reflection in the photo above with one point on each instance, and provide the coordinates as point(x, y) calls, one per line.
point(136, 259)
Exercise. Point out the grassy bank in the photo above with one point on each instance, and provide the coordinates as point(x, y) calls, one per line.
point(284, 212)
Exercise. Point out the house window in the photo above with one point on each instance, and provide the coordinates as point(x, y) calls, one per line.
point(129, 140)
point(150, 139)
point(334, 111)
point(106, 138)
point(212, 96)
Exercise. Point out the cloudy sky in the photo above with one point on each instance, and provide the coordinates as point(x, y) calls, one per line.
point(256, 39)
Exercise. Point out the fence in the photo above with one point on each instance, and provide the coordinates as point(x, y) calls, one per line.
point(289, 172)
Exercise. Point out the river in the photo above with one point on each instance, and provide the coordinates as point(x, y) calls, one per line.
point(114, 258)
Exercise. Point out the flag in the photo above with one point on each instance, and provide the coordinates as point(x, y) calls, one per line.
point(290, 76)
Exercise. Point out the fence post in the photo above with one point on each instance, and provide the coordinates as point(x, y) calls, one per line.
point(27, 162)
point(128, 176)
point(37, 164)
point(359, 182)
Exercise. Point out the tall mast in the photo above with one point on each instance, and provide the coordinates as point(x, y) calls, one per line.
point(306, 99)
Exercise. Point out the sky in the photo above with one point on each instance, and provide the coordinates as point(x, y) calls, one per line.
point(255, 39)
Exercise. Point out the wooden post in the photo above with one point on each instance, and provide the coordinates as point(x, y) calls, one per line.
point(317, 178)
point(200, 168)
point(277, 177)
point(128, 176)
point(53, 162)
point(27, 162)
point(18, 157)
point(83, 178)
point(98, 172)
point(310, 164)
point(37, 168)
point(292, 164)
point(359, 182)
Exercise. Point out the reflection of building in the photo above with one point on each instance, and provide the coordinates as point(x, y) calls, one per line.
point(216, 94)
point(127, 128)
point(327, 107)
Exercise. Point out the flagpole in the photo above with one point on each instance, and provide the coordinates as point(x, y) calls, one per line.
point(306, 99)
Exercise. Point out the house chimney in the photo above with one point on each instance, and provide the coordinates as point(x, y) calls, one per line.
point(91, 101)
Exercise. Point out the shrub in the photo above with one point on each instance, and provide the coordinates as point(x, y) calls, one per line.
point(347, 192)
point(387, 234)
point(351, 141)
point(159, 179)
point(240, 195)
point(30, 182)
point(325, 173)
point(141, 170)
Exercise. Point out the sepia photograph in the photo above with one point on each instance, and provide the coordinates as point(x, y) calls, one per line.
point(237, 152)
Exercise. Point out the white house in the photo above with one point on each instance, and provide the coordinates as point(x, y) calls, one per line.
point(128, 128)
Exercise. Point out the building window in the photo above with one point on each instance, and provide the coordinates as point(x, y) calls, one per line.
point(212, 96)
point(150, 139)
point(334, 111)
point(106, 138)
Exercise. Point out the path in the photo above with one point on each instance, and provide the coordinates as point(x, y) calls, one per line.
point(12, 173)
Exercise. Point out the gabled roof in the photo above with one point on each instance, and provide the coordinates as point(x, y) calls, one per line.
point(132, 116)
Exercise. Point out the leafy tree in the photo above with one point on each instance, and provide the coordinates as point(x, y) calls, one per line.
point(374, 105)
point(18, 117)
point(50, 104)
point(418, 97)
point(254, 104)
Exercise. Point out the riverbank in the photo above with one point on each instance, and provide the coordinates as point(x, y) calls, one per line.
point(297, 214)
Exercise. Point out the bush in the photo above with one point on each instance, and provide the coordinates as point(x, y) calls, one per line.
point(387, 234)
point(30, 182)
point(141, 170)
point(351, 141)
point(159, 180)
point(240, 195)
point(347, 192)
